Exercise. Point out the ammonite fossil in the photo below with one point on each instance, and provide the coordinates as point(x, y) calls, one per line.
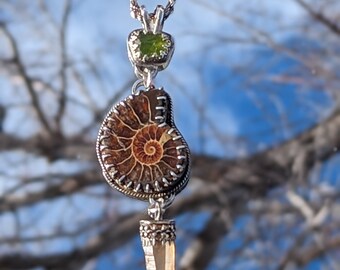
point(141, 152)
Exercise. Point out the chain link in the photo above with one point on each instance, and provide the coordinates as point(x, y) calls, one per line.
point(136, 12)
point(158, 206)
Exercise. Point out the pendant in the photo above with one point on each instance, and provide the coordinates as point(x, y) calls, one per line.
point(141, 152)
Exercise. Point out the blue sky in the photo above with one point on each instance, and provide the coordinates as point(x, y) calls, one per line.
point(237, 107)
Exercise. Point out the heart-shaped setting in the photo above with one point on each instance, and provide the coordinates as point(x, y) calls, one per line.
point(141, 152)
point(150, 49)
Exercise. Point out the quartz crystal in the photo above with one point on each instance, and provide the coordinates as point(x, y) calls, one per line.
point(158, 239)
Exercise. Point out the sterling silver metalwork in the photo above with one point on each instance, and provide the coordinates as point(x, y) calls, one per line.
point(155, 61)
point(136, 12)
point(158, 240)
point(162, 231)
point(147, 58)
point(141, 152)
point(158, 206)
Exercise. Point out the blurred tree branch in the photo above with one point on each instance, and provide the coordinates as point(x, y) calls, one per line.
point(320, 17)
point(222, 185)
point(16, 59)
point(238, 181)
point(64, 63)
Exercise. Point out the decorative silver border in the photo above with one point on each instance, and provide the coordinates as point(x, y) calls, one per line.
point(158, 61)
point(152, 232)
point(125, 186)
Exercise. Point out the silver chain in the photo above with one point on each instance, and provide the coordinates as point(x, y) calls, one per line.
point(136, 11)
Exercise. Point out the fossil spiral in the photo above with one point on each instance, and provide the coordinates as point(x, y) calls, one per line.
point(141, 152)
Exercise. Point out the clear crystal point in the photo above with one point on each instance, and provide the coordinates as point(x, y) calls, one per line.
point(158, 239)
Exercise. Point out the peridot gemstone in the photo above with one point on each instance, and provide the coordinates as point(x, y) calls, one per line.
point(150, 49)
point(153, 44)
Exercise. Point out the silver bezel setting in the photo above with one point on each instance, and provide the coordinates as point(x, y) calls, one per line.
point(170, 186)
point(160, 61)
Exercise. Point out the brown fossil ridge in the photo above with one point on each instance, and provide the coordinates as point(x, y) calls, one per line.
point(141, 152)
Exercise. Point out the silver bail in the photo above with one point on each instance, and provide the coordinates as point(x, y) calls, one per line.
point(153, 22)
point(158, 207)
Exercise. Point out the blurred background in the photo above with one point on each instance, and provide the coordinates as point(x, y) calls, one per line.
point(255, 86)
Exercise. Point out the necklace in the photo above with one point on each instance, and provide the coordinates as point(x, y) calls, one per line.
point(141, 152)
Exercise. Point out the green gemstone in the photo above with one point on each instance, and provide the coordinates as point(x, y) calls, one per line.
point(153, 44)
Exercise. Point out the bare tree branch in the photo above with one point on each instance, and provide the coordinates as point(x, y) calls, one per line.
point(17, 60)
point(318, 16)
point(69, 186)
point(64, 62)
point(254, 186)
point(204, 247)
